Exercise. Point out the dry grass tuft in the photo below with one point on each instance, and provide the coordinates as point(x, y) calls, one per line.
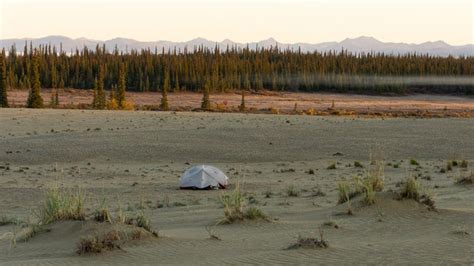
point(212, 234)
point(466, 180)
point(98, 244)
point(310, 242)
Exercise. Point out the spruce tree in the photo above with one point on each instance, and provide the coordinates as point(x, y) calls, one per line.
point(176, 83)
point(52, 101)
point(121, 87)
point(3, 82)
point(206, 104)
point(56, 98)
point(100, 102)
point(34, 97)
point(242, 103)
point(95, 99)
point(164, 92)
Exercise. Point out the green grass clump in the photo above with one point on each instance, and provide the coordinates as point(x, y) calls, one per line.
point(410, 189)
point(345, 192)
point(368, 187)
point(61, 204)
point(233, 204)
point(255, 213)
point(102, 214)
point(5, 220)
point(414, 162)
point(143, 221)
point(358, 164)
point(291, 191)
point(449, 166)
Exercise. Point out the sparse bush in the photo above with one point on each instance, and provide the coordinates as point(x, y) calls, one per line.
point(310, 111)
point(112, 104)
point(332, 166)
point(274, 110)
point(358, 164)
point(463, 164)
point(414, 162)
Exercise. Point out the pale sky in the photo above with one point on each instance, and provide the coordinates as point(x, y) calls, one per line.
point(412, 21)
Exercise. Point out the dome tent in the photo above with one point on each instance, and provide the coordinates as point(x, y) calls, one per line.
point(203, 177)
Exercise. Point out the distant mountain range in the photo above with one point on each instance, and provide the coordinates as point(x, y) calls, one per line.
point(356, 45)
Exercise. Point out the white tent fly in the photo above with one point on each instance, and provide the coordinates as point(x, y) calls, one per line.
point(203, 177)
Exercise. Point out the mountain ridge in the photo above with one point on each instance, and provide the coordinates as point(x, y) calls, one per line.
point(356, 45)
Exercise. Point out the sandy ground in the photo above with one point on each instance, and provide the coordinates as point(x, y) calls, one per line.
point(441, 105)
point(129, 157)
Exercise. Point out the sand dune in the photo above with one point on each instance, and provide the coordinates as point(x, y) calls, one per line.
point(133, 157)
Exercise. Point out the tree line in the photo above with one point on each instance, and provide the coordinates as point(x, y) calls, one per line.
point(231, 69)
